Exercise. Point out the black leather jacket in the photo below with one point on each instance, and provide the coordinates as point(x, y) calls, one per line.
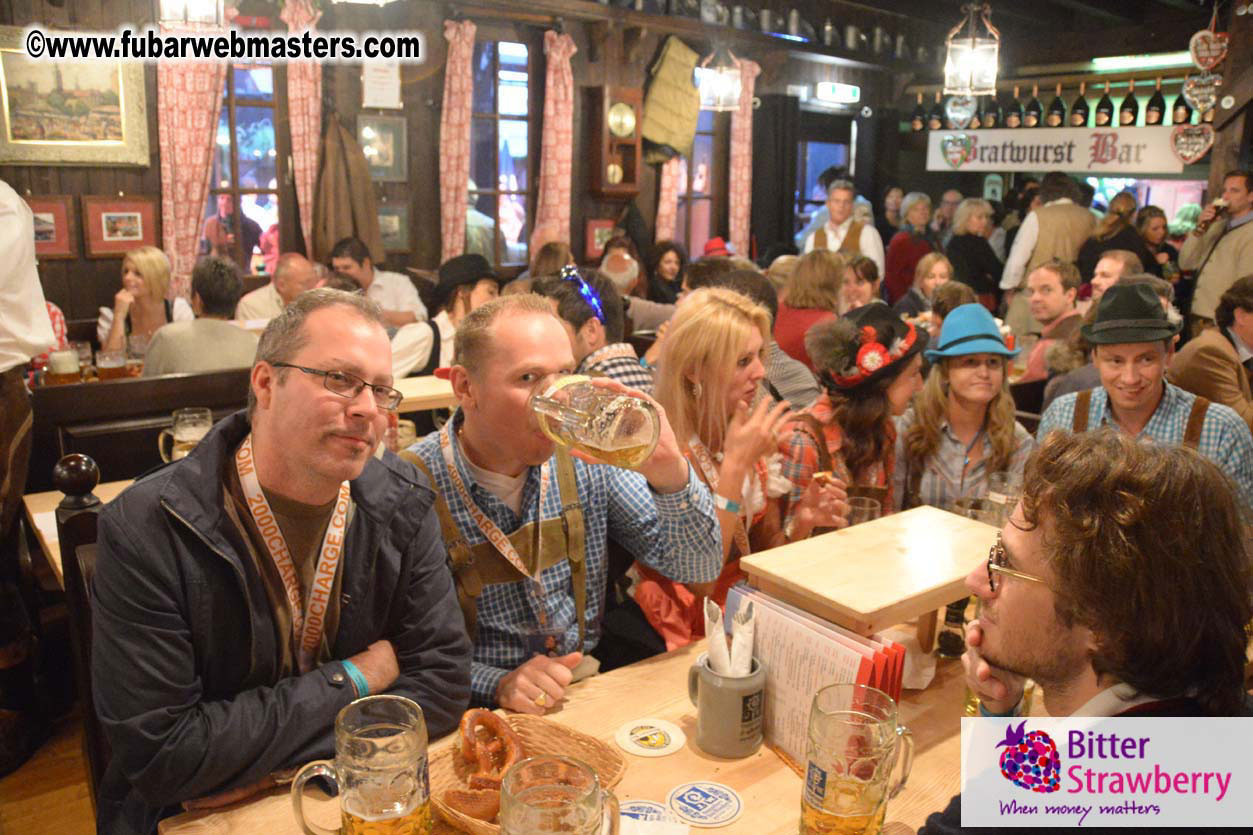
point(184, 655)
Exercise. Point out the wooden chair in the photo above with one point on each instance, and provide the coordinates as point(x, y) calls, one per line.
point(1029, 397)
point(76, 476)
point(1029, 420)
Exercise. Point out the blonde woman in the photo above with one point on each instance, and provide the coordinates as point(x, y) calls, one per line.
point(813, 296)
point(973, 259)
point(961, 428)
point(140, 307)
point(707, 381)
point(933, 271)
point(1116, 231)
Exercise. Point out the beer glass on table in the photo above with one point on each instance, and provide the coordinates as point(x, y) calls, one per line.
point(854, 745)
point(618, 428)
point(379, 770)
point(111, 365)
point(1004, 490)
point(863, 509)
point(63, 367)
point(190, 425)
point(550, 794)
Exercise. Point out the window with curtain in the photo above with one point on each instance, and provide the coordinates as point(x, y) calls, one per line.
point(241, 219)
point(812, 159)
point(702, 203)
point(500, 213)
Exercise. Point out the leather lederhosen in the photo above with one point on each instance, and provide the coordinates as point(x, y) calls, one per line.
point(540, 545)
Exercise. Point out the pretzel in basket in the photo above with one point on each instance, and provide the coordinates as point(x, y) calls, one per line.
point(488, 742)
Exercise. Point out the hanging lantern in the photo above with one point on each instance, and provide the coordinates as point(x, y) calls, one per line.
point(184, 13)
point(719, 84)
point(971, 64)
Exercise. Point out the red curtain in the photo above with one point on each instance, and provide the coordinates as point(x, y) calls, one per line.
point(741, 175)
point(189, 99)
point(552, 211)
point(454, 137)
point(304, 96)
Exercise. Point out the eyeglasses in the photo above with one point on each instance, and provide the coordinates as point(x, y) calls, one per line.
point(996, 565)
point(350, 385)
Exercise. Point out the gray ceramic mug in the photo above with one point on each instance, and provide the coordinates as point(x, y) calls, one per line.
point(728, 708)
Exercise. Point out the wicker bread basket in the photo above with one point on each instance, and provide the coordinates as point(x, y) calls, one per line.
point(539, 736)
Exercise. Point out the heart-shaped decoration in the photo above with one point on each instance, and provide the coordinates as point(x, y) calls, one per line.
point(1191, 142)
point(1201, 90)
point(957, 149)
point(960, 110)
point(1208, 48)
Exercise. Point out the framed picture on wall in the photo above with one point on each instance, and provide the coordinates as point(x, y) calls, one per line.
point(394, 226)
point(382, 140)
point(56, 226)
point(599, 232)
point(70, 112)
point(113, 226)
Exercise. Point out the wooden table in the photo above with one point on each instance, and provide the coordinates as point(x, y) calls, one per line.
point(658, 688)
point(41, 516)
point(423, 393)
point(870, 576)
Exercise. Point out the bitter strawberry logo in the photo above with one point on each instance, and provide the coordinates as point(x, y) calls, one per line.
point(1030, 760)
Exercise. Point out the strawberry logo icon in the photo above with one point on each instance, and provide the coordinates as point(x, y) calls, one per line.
point(1030, 760)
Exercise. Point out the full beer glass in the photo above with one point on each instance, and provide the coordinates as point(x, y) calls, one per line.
point(619, 429)
point(551, 794)
point(379, 770)
point(854, 745)
point(190, 425)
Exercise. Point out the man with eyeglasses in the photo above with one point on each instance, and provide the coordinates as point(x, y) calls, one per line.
point(1119, 584)
point(245, 594)
point(527, 525)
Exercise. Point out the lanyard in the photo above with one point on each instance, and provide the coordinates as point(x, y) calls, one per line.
point(705, 461)
point(961, 487)
point(490, 530)
point(309, 622)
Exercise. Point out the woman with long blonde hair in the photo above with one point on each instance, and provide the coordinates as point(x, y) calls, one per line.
point(707, 381)
point(140, 307)
point(813, 295)
point(1116, 230)
point(961, 427)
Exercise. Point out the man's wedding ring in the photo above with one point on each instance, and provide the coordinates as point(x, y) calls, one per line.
point(541, 700)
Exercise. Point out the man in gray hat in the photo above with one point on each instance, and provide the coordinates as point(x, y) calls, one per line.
point(1133, 344)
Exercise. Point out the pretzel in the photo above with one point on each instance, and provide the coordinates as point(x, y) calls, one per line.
point(824, 477)
point(492, 746)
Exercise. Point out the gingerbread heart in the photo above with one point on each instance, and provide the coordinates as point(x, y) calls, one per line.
point(960, 110)
point(956, 149)
point(1208, 48)
point(1191, 142)
point(1201, 90)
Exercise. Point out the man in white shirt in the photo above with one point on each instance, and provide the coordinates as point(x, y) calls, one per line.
point(293, 274)
point(466, 283)
point(393, 292)
point(25, 332)
point(1087, 583)
point(841, 233)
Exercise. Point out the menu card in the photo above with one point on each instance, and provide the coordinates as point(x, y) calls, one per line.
point(804, 653)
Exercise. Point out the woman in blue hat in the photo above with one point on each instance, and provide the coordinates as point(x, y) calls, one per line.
point(961, 427)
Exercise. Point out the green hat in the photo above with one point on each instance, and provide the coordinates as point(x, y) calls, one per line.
point(1129, 313)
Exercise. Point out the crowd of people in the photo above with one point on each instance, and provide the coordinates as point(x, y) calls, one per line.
point(487, 566)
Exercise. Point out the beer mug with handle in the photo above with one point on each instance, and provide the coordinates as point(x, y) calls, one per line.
point(619, 429)
point(190, 425)
point(854, 745)
point(550, 794)
point(379, 770)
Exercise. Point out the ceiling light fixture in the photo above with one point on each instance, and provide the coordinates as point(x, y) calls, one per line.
point(720, 83)
point(971, 64)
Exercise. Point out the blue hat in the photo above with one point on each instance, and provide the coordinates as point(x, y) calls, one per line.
point(969, 329)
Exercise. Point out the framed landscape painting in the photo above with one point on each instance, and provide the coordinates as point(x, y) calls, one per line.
point(70, 112)
point(116, 225)
point(394, 226)
point(56, 226)
point(383, 141)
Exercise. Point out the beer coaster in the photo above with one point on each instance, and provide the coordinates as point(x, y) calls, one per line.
point(644, 817)
point(705, 804)
point(650, 737)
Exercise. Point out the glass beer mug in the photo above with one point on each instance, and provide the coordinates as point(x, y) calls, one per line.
point(618, 428)
point(551, 794)
point(379, 770)
point(854, 745)
point(190, 425)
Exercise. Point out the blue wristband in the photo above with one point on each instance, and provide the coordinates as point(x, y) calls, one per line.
point(1013, 711)
point(359, 682)
point(723, 503)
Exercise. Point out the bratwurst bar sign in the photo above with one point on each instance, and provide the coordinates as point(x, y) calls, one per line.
point(1073, 150)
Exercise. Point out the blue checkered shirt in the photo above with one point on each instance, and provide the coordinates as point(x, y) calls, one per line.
point(676, 533)
point(612, 361)
point(1225, 438)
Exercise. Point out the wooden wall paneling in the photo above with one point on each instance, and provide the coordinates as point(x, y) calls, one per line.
point(1231, 147)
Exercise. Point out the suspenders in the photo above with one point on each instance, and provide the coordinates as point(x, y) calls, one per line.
point(1191, 433)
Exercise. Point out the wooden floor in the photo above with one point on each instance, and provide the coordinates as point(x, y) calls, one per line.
point(49, 793)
